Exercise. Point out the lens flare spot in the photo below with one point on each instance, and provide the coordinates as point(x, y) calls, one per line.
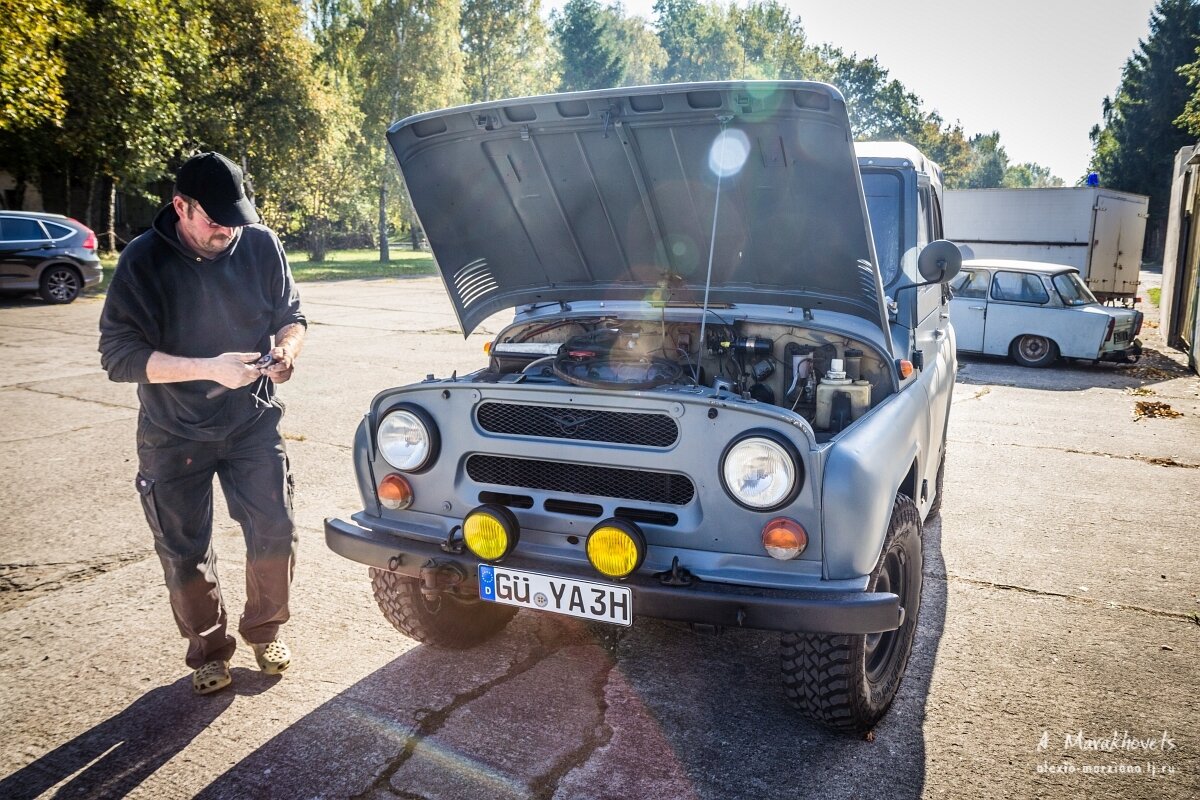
point(728, 153)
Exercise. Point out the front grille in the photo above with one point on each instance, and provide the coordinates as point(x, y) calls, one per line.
point(555, 476)
point(579, 424)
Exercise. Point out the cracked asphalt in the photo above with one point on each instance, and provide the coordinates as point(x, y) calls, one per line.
point(1057, 643)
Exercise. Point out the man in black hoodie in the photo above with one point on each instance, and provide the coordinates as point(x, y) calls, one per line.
point(194, 304)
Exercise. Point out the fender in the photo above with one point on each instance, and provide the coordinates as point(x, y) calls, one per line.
point(863, 472)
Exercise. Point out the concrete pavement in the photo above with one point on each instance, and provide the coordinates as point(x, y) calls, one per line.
point(1059, 607)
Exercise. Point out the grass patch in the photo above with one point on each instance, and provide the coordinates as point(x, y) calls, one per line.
point(338, 265)
point(1155, 294)
point(344, 264)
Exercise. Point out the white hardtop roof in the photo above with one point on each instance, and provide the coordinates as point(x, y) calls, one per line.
point(901, 151)
point(1017, 266)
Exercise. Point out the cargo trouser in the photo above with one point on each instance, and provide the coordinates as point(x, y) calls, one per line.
point(175, 481)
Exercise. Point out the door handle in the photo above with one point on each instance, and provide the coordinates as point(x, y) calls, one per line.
point(977, 308)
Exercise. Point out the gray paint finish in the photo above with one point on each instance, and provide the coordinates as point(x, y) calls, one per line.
point(612, 195)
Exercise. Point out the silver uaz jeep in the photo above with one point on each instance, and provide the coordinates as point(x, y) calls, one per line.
point(722, 399)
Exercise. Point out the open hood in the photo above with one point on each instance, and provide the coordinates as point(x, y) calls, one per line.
point(611, 195)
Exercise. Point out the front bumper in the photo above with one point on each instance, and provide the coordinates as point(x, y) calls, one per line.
point(704, 602)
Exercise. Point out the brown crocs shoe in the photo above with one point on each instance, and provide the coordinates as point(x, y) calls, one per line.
point(212, 677)
point(273, 658)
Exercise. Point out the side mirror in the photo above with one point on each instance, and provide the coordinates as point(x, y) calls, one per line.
point(939, 261)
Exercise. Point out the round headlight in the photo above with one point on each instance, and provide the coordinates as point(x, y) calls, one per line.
point(405, 440)
point(759, 473)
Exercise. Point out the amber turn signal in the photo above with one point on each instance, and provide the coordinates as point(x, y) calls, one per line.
point(906, 368)
point(395, 493)
point(784, 538)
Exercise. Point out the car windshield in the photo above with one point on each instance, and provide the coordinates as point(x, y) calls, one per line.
point(883, 207)
point(1072, 289)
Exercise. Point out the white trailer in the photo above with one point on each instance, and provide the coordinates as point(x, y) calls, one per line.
point(1097, 231)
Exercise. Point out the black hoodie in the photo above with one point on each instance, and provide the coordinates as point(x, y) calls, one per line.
point(164, 297)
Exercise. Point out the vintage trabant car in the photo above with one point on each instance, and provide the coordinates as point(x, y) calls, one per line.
point(1036, 312)
point(720, 402)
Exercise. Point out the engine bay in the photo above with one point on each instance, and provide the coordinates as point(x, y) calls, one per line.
point(827, 378)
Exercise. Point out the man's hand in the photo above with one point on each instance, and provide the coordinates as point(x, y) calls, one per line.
point(290, 339)
point(233, 370)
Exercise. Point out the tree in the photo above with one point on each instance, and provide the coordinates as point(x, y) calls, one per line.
point(1189, 120)
point(989, 162)
point(642, 57)
point(589, 45)
point(506, 48)
point(1135, 147)
point(124, 120)
point(32, 65)
point(411, 61)
point(1029, 176)
point(773, 42)
point(880, 107)
point(700, 40)
point(260, 98)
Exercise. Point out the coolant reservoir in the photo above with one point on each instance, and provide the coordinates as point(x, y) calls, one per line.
point(835, 381)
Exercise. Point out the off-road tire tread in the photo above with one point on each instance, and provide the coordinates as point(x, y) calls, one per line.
point(454, 625)
point(820, 677)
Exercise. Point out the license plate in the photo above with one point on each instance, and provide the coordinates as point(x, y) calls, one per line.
point(1121, 336)
point(602, 602)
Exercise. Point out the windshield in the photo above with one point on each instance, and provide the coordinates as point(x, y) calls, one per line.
point(1072, 289)
point(883, 207)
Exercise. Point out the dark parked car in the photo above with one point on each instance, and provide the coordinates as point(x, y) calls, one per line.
point(50, 254)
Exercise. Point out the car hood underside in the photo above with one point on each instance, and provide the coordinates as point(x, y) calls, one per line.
point(629, 194)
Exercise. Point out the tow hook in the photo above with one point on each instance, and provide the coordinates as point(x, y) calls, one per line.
point(676, 576)
point(438, 575)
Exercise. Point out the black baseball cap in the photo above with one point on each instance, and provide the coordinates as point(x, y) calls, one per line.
point(215, 182)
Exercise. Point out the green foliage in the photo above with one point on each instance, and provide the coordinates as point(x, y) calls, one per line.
point(589, 45)
point(1189, 120)
point(361, 264)
point(1029, 176)
point(989, 162)
point(700, 40)
point(507, 49)
point(124, 117)
point(259, 100)
point(410, 60)
point(1147, 121)
point(32, 65)
point(301, 92)
point(880, 107)
point(642, 57)
point(773, 42)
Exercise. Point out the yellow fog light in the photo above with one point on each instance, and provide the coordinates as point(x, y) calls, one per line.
point(491, 532)
point(616, 548)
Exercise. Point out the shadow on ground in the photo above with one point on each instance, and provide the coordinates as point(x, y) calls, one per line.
point(549, 709)
point(1068, 375)
point(115, 757)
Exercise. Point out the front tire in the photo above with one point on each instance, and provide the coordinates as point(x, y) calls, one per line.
point(1030, 350)
point(59, 284)
point(848, 682)
point(449, 621)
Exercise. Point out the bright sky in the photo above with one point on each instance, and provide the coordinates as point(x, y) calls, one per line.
point(1035, 70)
